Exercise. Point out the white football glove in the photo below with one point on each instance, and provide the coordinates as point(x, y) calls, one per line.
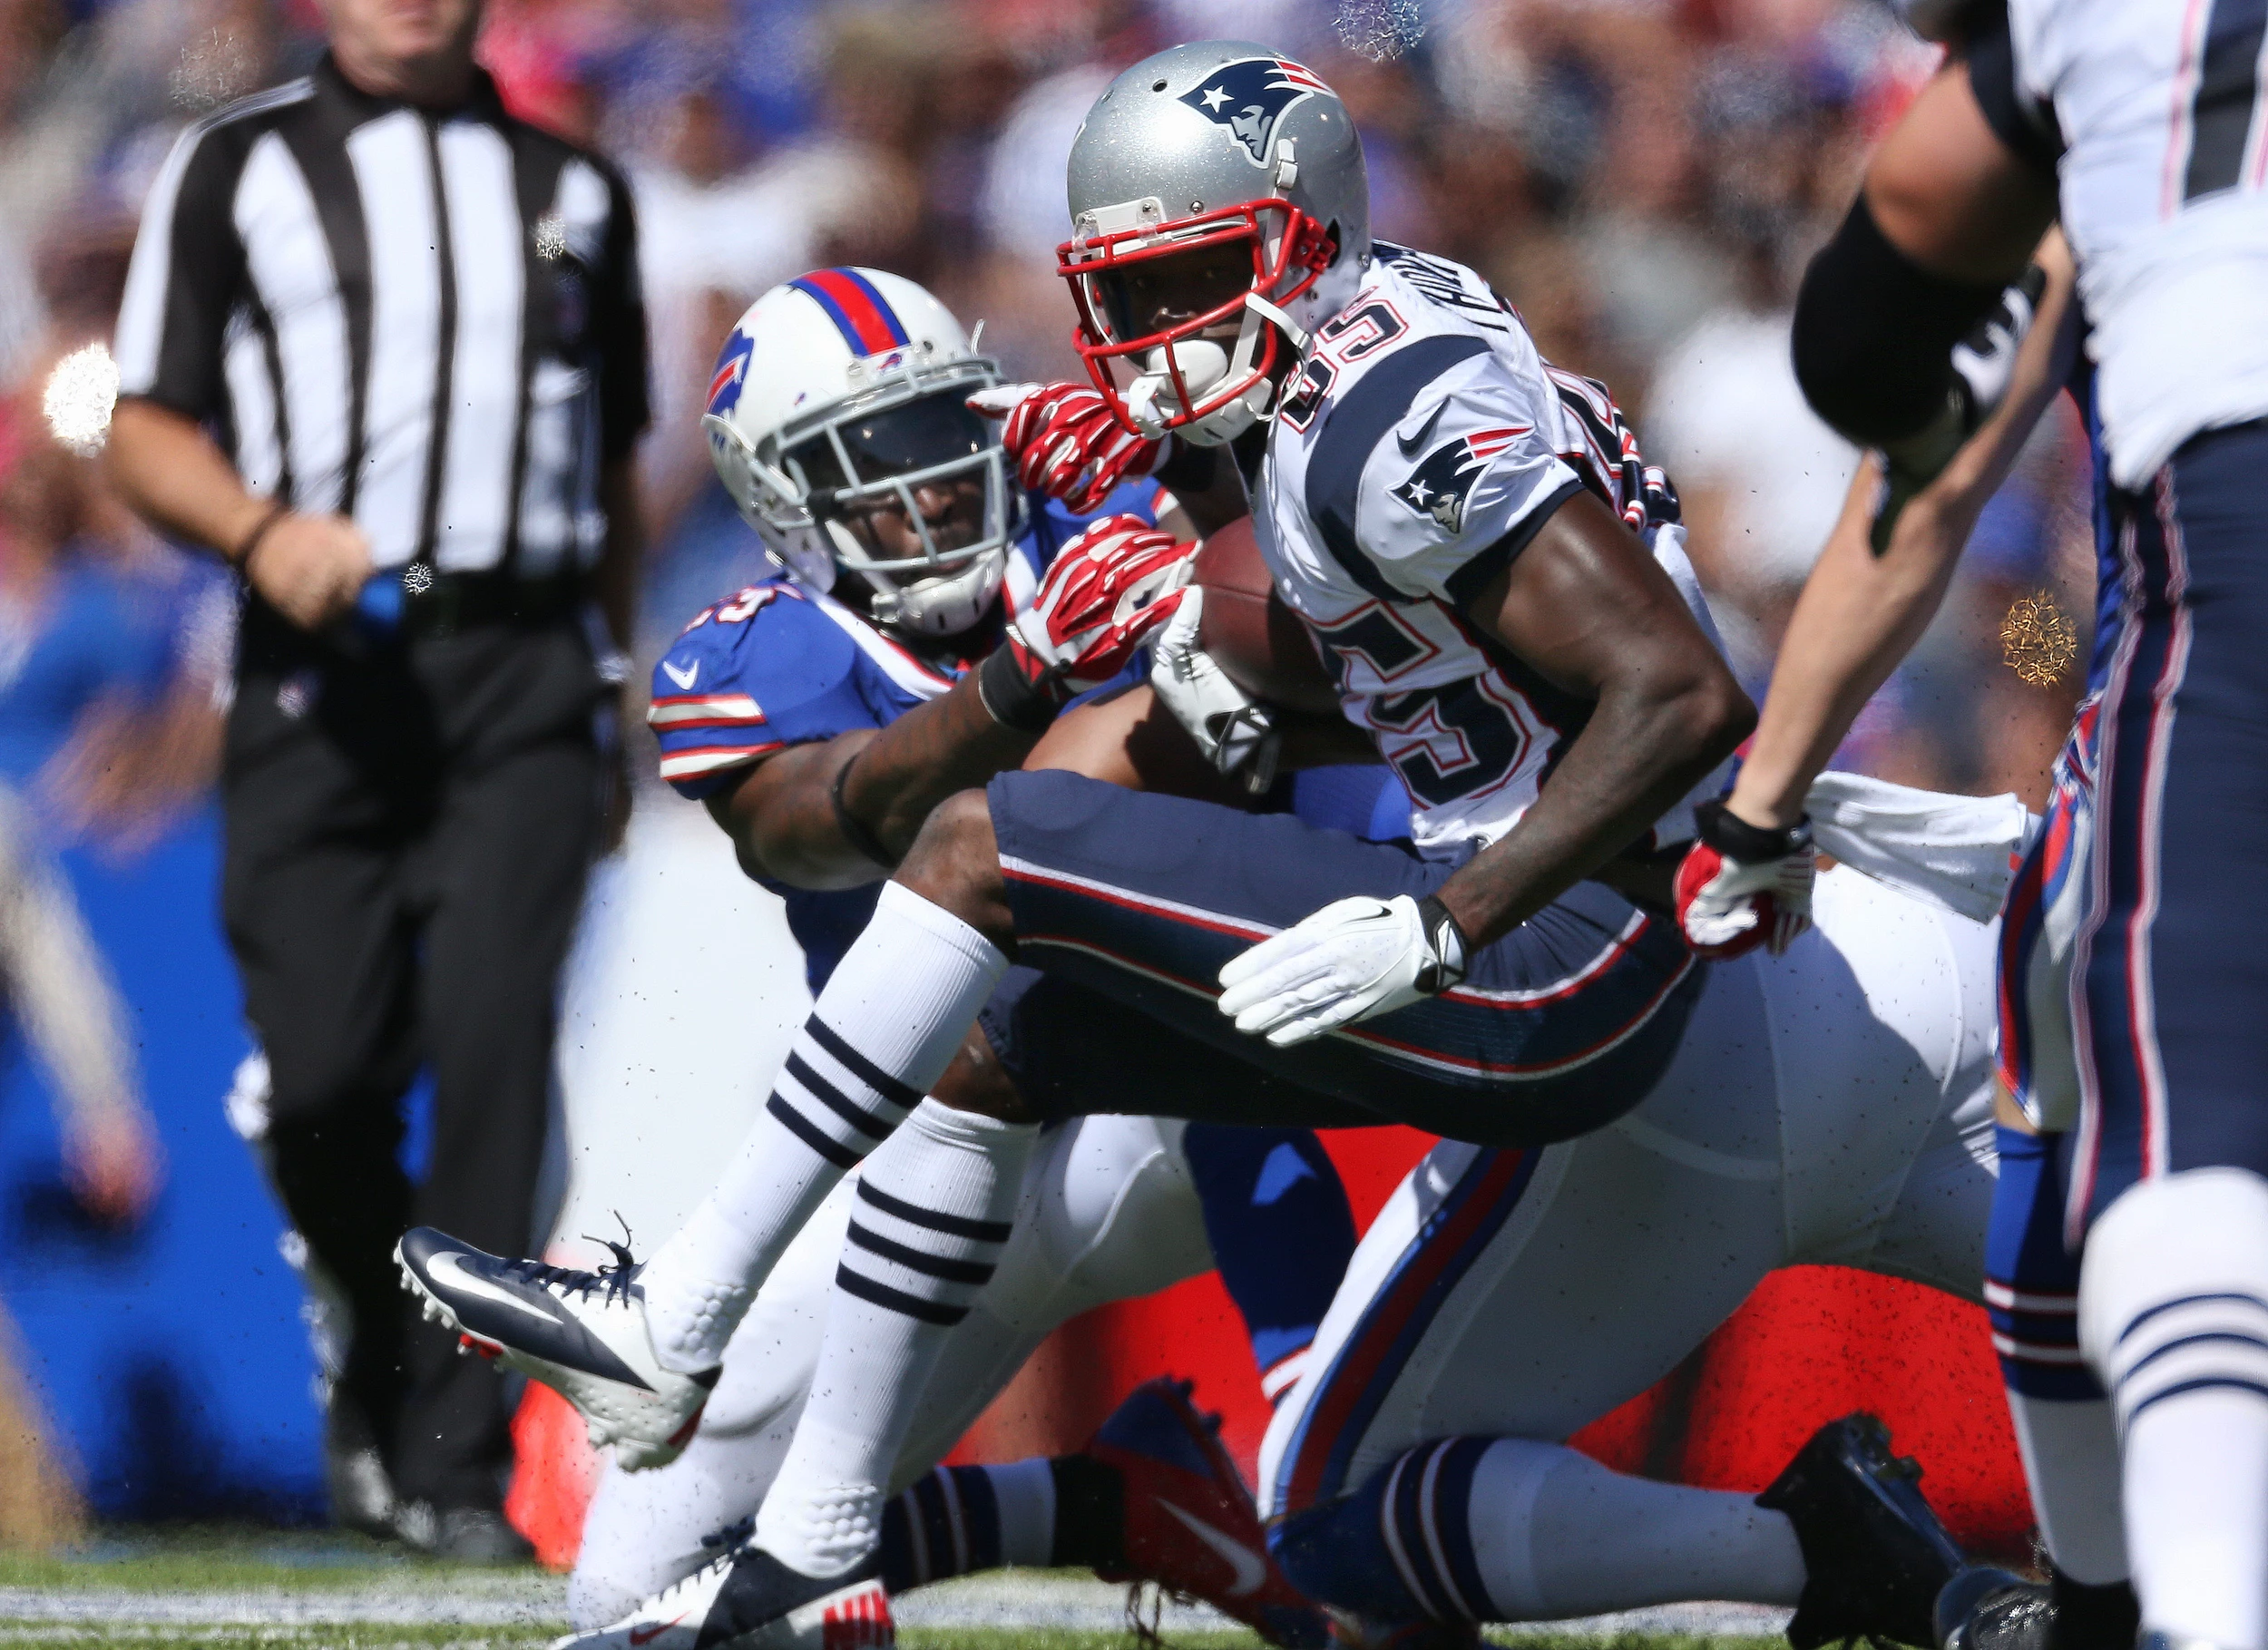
point(1353, 959)
point(1233, 729)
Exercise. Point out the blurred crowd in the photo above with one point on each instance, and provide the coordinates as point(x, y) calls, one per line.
point(1643, 179)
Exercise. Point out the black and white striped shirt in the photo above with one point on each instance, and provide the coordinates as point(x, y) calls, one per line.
point(428, 321)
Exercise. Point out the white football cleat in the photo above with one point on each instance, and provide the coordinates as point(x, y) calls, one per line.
point(580, 1333)
point(749, 1600)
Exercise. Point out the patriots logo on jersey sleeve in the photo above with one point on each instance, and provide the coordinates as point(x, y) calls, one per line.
point(1249, 97)
point(731, 374)
point(1443, 483)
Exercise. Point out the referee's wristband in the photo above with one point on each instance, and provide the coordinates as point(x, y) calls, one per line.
point(1735, 838)
point(1012, 698)
point(240, 558)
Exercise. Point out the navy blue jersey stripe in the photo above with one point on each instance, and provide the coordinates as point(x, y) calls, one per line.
point(1352, 427)
point(2228, 90)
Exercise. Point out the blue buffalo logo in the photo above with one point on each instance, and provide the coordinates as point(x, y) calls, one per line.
point(732, 373)
point(1439, 487)
point(1249, 97)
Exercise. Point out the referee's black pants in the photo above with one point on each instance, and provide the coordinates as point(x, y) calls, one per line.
point(408, 827)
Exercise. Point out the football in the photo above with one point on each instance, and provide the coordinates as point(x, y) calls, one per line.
point(1257, 640)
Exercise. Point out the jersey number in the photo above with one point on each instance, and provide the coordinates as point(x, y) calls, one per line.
point(1448, 742)
point(1341, 339)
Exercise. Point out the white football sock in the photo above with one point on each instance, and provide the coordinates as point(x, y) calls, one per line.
point(2173, 1320)
point(2071, 1450)
point(888, 1023)
point(1556, 1535)
point(933, 1213)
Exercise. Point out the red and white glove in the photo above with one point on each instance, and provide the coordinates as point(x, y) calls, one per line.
point(1068, 441)
point(1743, 886)
point(1101, 598)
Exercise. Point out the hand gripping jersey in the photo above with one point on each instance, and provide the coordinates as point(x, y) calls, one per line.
point(2164, 141)
point(1421, 444)
point(780, 664)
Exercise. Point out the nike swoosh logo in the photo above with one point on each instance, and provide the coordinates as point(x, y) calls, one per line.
point(1251, 1570)
point(685, 679)
point(445, 1270)
point(646, 1635)
point(1411, 447)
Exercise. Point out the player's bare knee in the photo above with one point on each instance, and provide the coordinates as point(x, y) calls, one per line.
point(954, 862)
point(976, 1081)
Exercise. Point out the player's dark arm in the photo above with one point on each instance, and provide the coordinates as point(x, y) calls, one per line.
point(784, 818)
point(1586, 605)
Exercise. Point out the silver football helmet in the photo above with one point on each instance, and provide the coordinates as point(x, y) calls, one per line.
point(1244, 168)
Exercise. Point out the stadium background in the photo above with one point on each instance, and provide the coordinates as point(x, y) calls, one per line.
point(1643, 177)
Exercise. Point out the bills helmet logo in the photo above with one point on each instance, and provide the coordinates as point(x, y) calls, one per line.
point(1249, 97)
point(732, 373)
point(1443, 483)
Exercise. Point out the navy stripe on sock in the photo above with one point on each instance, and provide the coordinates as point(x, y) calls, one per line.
point(2140, 1318)
point(2238, 1336)
point(929, 1500)
point(980, 1516)
point(952, 1225)
point(832, 1150)
point(865, 1122)
point(896, 1093)
point(2238, 1383)
point(1453, 1505)
point(901, 1556)
point(893, 1300)
point(915, 1260)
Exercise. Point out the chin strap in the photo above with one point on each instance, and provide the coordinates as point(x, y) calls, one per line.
point(1292, 329)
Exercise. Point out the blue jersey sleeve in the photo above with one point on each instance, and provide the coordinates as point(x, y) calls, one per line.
point(750, 676)
point(1053, 526)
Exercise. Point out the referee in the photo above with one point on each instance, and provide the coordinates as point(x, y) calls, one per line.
point(383, 349)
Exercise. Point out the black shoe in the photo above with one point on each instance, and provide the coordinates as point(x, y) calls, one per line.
point(1875, 1556)
point(461, 1535)
point(749, 1600)
point(1989, 1609)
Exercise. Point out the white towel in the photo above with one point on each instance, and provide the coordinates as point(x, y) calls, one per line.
point(1958, 853)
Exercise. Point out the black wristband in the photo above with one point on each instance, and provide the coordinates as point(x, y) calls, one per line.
point(1187, 468)
point(240, 558)
point(1735, 838)
point(868, 844)
point(1013, 700)
point(1450, 946)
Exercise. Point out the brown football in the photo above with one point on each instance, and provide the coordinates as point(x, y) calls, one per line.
point(1257, 640)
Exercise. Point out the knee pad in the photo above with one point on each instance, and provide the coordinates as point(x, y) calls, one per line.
point(1399, 1547)
point(2173, 1290)
point(2031, 1280)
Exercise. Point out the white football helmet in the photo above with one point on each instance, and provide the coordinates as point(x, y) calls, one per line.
point(845, 390)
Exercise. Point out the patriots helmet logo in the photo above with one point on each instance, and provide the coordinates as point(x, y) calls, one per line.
point(731, 374)
point(1443, 482)
point(1249, 97)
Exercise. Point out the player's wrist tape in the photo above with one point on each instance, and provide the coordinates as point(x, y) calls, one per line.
point(240, 558)
point(1447, 941)
point(866, 842)
point(1012, 698)
point(1735, 838)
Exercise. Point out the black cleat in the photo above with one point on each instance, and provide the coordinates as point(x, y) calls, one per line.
point(1984, 1609)
point(1875, 1556)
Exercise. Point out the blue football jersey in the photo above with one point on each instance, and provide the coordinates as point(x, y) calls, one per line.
point(777, 664)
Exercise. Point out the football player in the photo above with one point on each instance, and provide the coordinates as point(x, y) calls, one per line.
point(1451, 531)
point(2128, 1028)
point(817, 714)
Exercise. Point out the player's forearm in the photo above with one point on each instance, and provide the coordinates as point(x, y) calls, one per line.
point(1647, 745)
point(949, 745)
point(1859, 614)
point(177, 480)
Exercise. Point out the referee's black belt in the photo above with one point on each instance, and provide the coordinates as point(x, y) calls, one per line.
point(437, 604)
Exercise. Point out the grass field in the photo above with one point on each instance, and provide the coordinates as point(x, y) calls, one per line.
point(219, 1589)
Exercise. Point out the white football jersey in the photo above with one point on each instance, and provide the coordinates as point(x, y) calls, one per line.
point(2165, 145)
point(1420, 445)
